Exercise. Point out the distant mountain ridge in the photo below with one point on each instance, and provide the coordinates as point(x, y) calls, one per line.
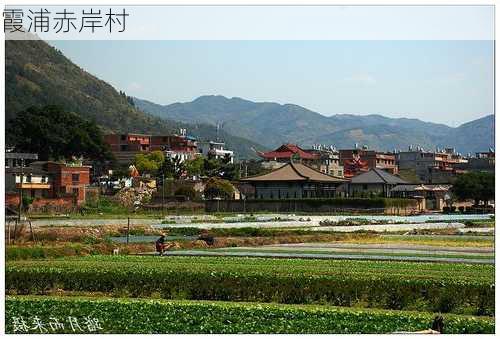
point(38, 74)
point(273, 124)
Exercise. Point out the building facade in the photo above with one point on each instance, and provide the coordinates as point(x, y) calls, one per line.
point(215, 150)
point(49, 180)
point(375, 182)
point(430, 197)
point(325, 160)
point(358, 160)
point(294, 181)
point(441, 166)
point(126, 146)
point(481, 162)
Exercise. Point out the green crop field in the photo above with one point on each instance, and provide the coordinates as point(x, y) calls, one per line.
point(433, 287)
point(104, 315)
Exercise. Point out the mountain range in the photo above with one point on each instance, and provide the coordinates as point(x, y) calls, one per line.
point(39, 74)
point(273, 124)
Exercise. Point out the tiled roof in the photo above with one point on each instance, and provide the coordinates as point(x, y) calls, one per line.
point(295, 172)
point(287, 151)
point(377, 176)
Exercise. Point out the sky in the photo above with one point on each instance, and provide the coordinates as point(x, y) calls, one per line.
point(441, 81)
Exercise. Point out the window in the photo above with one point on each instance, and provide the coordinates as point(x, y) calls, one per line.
point(44, 179)
point(75, 192)
point(365, 186)
point(28, 178)
point(123, 137)
point(75, 177)
point(123, 148)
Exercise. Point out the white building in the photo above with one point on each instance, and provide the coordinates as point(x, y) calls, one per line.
point(215, 149)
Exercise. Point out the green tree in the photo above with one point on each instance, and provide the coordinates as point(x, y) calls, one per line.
point(55, 134)
point(478, 186)
point(195, 166)
point(229, 171)
point(216, 188)
point(172, 168)
point(149, 163)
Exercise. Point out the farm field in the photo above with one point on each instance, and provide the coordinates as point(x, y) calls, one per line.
point(365, 282)
point(432, 287)
point(119, 315)
point(374, 252)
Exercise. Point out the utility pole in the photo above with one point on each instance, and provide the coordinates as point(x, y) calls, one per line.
point(128, 228)
point(21, 191)
point(163, 195)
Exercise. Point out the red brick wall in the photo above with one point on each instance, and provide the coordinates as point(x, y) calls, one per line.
point(63, 203)
point(63, 180)
point(42, 204)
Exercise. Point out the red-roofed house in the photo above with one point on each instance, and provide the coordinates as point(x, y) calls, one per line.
point(284, 154)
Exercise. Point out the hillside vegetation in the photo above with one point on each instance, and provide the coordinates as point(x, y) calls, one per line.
point(273, 124)
point(37, 74)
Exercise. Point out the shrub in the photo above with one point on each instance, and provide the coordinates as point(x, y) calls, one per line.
point(186, 191)
point(218, 188)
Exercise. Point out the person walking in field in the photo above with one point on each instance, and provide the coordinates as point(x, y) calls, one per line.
point(161, 246)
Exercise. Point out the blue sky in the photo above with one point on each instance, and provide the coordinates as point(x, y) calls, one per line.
point(440, 81)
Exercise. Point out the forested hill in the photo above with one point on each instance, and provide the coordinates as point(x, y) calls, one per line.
point(273, 124)
point(39, 74)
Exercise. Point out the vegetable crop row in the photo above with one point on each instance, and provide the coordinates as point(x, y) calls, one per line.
point(377, 285)
point(153, 316)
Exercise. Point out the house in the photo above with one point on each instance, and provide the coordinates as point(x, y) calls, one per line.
point(33, 181)
point(284, 154)
point(354, 166)
point(126, 146)
point(216, 150)
point(358, 160)
point(13, 159)
point(430, 197)
point(329, 160)
point(182, 147)
point(66, 179)
point(294, 181)
point(482, 162)
point(374, 182)
point(320, 157)
point(48, 182)
point(440, 166)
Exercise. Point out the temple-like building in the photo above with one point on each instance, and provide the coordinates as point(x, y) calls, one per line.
point(294, 181)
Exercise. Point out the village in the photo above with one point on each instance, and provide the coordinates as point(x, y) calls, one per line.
point(290, 172)
point(318, 177)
